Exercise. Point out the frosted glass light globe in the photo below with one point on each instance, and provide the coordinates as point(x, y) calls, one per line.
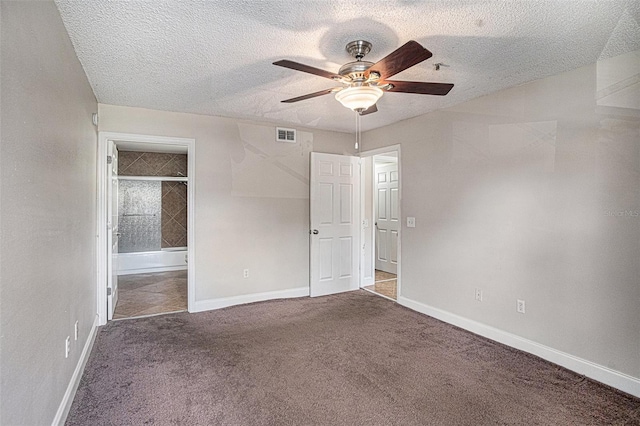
point(359, 98)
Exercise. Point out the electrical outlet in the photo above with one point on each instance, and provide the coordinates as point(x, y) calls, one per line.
point(75, 331)
point(520, 306)
point(245, 273)
point(67, 346)
point(478, 295)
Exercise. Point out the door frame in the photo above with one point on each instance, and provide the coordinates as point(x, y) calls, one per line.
point(112, 299)
point(363, 231)
point(102, 251)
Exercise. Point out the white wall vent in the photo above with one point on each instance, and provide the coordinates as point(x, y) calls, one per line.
point(285, 135)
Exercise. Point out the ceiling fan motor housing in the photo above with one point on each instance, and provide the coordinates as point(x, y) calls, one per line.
point(355, 69)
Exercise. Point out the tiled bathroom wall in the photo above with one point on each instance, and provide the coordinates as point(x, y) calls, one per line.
point(171, 197)
point(139, 207)
point(132, 163)
point(174, 214)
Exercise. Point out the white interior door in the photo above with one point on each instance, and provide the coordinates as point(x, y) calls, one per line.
point(387, 217)
point(335, 223)
point(114, 232)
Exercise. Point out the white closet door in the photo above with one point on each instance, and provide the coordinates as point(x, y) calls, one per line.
point(387, 217)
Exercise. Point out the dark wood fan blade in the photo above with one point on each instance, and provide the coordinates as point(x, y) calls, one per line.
point(404, 57)
point(306, 68)
point(419, 87)
point(373, 108)
point(308, 96)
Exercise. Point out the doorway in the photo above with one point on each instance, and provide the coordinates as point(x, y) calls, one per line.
point(151, 210)
point(381, 224)
point(146, 225)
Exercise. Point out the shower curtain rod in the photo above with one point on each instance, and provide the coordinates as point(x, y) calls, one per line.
point(156, 178)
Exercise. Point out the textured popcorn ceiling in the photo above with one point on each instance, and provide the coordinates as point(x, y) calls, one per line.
point(214, 57)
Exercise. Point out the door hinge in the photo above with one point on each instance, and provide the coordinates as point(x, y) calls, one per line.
point(109, 159)
point(108, 291)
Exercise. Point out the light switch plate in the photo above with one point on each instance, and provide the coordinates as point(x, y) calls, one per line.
point(411, 222)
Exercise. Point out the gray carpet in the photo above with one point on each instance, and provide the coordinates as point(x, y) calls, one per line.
point(348, 359)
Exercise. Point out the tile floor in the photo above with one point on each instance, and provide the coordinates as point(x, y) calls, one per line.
point(386, 284)
point(148, 294)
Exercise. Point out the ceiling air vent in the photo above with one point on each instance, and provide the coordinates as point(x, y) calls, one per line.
point(285, 135)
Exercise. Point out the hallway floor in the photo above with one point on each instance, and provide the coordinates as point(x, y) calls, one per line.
point(386, 284)
point(149, 294)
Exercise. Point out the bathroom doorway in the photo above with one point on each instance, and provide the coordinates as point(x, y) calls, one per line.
point(149, 226)
point(152, 226)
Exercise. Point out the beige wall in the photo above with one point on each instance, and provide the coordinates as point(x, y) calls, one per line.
point(251, 197)
point(47, 211)
point(530, 193)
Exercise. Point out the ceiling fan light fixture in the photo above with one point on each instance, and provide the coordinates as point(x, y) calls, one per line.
point(359, 98)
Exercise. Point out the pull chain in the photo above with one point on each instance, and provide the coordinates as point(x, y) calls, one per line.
point(358, 131)
point(356, 147)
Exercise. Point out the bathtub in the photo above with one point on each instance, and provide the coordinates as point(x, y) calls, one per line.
point(167, 259)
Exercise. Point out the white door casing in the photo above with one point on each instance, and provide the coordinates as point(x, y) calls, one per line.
point(114, 231)
point(335, 223)
point(387, 217)
point(113, 234)
point(103, 233)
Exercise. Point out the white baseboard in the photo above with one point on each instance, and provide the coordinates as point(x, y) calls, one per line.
point(600, 373)
point(70, 393)
point(223, 302)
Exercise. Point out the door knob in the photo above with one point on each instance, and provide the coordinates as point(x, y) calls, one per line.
point(314, 232)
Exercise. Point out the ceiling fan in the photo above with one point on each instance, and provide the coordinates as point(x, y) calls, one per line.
point(365, 82)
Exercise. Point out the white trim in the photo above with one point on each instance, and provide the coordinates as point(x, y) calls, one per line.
point(383, 150)
point(223, 302)
point(72, 387)
point(102, 246)
point(365, 281)
point(371, 153)
point(101, 231)
point(191, 224)
point(600, 373)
